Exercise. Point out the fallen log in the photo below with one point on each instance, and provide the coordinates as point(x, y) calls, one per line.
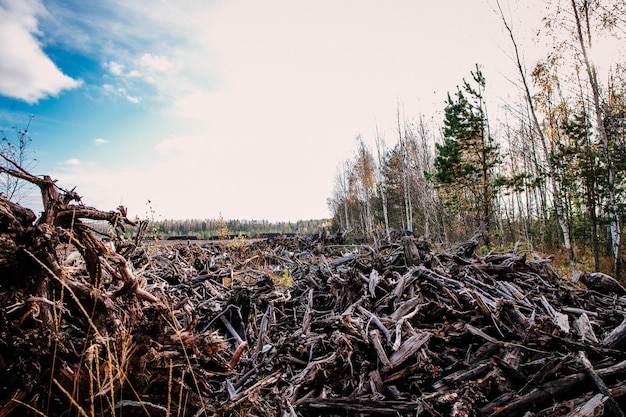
point(611, 404)
point(356, 406)
point(592, 408)
point(536, 399)
point(617, 337)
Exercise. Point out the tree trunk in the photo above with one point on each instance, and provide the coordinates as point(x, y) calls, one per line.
point(558, 203)
point(613, 210)
point(383, 195)
point(408, 209)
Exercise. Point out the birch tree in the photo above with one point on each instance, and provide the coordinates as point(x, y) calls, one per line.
point(537, 129)
point(582, 10)
point(380, 151)
point(361, 184)
point(406, 183)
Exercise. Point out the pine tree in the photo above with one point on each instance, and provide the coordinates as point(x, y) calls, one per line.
point(465, 161)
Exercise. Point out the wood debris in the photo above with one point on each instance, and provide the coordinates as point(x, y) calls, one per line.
point(299, 326)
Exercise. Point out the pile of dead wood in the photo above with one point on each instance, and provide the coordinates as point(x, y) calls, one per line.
point(299, 326)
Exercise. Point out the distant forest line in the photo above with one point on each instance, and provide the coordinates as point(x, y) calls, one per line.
point(218, 228)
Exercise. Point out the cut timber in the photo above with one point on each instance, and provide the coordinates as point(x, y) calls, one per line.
point(592, 408)
point(611, 404)
point(538, 397)
point(583, 327)
point(616, 337)
point(360, 407)
point(559, 319)
point(406, 350)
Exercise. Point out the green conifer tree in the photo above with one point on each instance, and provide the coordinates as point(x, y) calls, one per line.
point(466, 160)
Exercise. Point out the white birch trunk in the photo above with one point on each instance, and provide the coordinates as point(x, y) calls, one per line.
point(614, 222)
point(558, 203)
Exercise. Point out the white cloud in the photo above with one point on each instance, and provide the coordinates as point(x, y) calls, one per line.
point(100, 141)
point(149, 68)
point(133, 99)
point(26, 72)
point(121, 92)
point(72, 161)
point(155, 62)
point(114, 68)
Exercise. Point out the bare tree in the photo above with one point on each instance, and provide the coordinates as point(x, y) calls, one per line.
point(581, 11)
point(18, 150)
point(364, 179)
point(558, 203)
point(380, 150)
point(406, 184)
point(339, 202)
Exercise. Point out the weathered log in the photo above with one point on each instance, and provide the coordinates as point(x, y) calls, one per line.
point(543, 394)
point(477, 332)
point(616, 337)
point(406, 350)
point(380, 350)
point(376, 321)
point(509, 364)
point(13, 217)
point(611, 404)
point(603, 283)
point(466, 374)
point(558, 318)
point(308, 313)
point(364, 407)
point(592, 408)
point(583, 327)
point(536, 398)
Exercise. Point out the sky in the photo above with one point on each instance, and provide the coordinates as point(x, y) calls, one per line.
point(244, 109)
